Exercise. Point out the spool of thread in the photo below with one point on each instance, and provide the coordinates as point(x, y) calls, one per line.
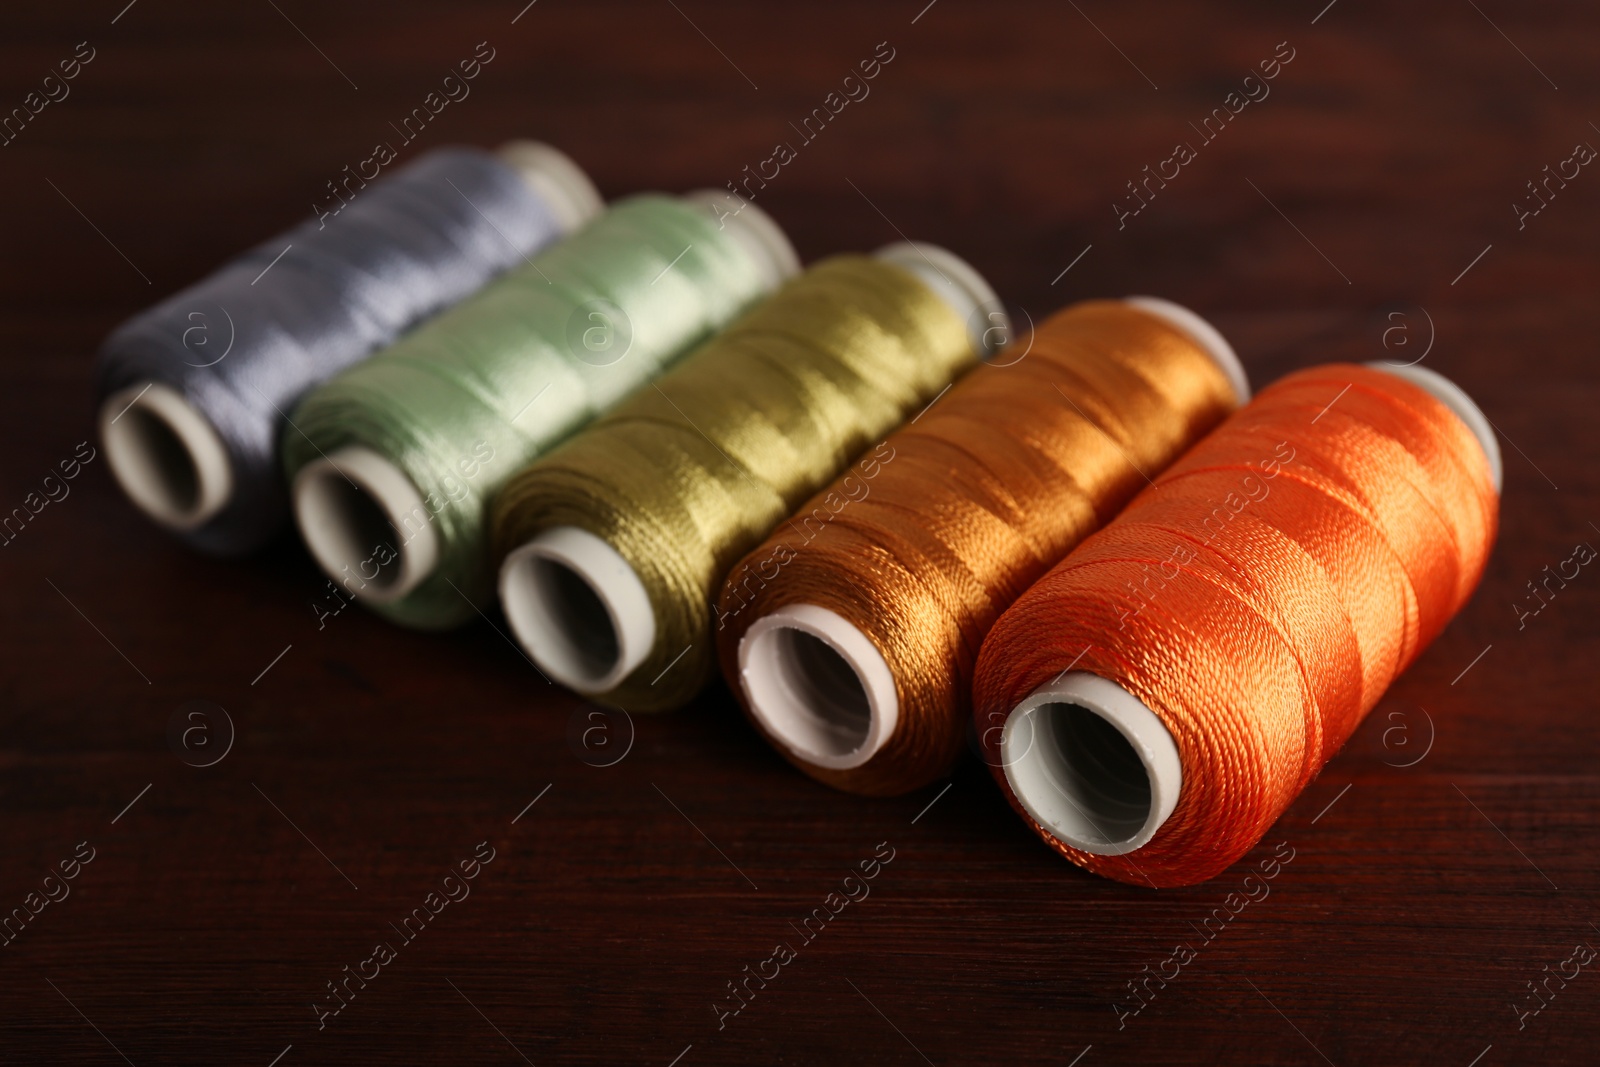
point(393, 463)
point(851, 634)
point(614, 546)
point(192, 392)
point(1154, 703)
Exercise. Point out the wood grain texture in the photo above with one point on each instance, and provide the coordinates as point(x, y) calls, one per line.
point(1417, 906)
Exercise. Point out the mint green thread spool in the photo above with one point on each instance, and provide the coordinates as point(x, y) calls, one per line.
point(394, 462)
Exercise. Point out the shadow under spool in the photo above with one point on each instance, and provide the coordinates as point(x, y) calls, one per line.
point(161, 437)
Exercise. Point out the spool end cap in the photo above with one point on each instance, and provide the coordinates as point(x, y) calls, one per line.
point(561, 183)
point(1203, 334)
point(755, 231)
point(578, 608)
point(355, 508)
point(1456, 399)
point(818, 685)
point(959, 285)
point(1091, 764)
point(166, 455)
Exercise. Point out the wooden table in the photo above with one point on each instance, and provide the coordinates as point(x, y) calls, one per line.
point(1363, 209)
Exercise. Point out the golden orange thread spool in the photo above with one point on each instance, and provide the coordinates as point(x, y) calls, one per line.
point(851, 634)
point(1154, 703)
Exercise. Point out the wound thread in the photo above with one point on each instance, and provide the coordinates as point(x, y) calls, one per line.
point(1258, 600)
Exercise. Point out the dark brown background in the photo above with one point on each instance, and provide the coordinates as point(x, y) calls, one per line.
point(1411, 916)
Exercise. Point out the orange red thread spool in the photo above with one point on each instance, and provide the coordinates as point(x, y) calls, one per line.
point(1154, 703)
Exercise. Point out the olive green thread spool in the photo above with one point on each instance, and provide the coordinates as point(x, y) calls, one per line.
point(616, 543)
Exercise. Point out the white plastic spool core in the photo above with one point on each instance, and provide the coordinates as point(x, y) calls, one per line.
point(819, 685)
point(1091, 763)
point(355, 508)
point(166, 456)
point(578, 608)
point(1456, 399)
point(755, 232)
point(559, 182)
